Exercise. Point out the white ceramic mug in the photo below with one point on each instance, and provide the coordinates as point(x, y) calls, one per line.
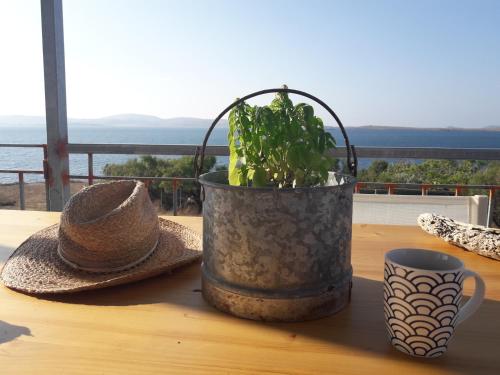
point(422, 294)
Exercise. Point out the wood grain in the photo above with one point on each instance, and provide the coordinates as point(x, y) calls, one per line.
point(162, 325)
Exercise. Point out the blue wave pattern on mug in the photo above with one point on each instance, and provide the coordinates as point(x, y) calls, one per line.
point(421, 310)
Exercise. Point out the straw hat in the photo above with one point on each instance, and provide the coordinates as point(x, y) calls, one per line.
point(109, 234)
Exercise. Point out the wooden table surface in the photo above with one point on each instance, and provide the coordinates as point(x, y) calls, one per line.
point(162, 325)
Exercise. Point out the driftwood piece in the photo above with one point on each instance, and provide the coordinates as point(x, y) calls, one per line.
point(476, 238)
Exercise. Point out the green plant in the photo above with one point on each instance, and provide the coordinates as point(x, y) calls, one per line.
point(278, 145)
point(151, 166)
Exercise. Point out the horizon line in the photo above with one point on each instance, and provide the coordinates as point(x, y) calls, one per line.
point(118, 120)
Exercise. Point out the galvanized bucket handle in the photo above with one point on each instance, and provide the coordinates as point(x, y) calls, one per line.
point(352, 161)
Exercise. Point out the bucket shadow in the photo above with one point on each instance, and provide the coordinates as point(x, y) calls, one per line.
point(360, 326)
point(9, 332)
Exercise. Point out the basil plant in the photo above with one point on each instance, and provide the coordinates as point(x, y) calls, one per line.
point(278, 145)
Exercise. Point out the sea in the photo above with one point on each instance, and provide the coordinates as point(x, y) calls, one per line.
point(29, 158)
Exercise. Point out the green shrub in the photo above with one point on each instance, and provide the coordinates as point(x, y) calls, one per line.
point(469, 172)
point(151, 166)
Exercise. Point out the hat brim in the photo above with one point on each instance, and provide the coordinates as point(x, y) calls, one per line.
point(35, 267)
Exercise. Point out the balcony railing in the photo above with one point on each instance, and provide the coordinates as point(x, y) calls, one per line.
point(419, 153)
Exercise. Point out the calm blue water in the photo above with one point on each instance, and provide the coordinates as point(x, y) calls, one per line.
point(13, 158)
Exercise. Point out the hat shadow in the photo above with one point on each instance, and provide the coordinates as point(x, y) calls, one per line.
point(9, 332)
point(153, 290)
point(364, 314)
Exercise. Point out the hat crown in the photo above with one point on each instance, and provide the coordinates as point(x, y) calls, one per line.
point(108, 227)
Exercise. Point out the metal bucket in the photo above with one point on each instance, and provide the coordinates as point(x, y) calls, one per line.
point(277, 254)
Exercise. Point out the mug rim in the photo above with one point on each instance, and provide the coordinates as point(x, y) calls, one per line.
point(393, 251)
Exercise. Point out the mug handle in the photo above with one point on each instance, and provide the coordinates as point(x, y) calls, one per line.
point(477, 298)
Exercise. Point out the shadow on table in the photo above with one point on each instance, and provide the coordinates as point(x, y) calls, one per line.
point(9, 332)
point(360, 325)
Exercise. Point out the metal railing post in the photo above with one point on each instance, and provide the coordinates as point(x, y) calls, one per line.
point(46, 176)
point(91, 168)
point(491, 199)
point(425, 189)
point(180, 195)
point(174, 196)
point(55, 102)
point(22, 204)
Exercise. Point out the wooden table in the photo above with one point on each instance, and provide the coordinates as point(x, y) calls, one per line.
point(162, 325)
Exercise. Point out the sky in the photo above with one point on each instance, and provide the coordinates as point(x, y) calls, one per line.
point(375, 62)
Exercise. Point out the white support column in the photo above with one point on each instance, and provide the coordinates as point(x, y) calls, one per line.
point(55, 103)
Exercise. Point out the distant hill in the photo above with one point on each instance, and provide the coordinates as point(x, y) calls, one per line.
point(148, 121)
point(137, 120)
point(125, 120)
point(449, 128)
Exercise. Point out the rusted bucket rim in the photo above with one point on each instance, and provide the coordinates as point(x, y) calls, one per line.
point(346, 182)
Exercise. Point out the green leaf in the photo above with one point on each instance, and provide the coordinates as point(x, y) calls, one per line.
point(259, 178)
point(293, 156)
point(234, 176)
